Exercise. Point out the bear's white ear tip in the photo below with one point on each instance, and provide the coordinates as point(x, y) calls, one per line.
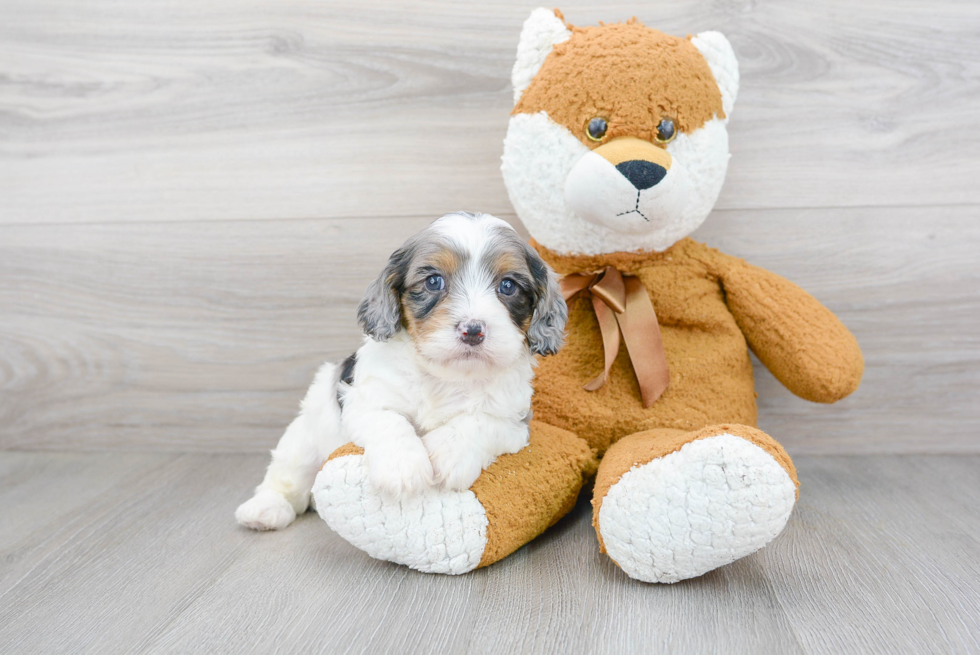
point(720, 55)
point(541, 31)
point(542, 13)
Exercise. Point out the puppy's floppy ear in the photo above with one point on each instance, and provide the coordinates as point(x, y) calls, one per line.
point(380, 311)
point(546, 334)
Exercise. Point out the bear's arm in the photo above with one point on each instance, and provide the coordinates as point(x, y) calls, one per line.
point(800, 341)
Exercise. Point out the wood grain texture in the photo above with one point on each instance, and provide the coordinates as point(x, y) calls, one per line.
point(37, 517)
point(266, 109)
point(854, 565)
point(204, 336)
point(193, 198)
point(878, 557)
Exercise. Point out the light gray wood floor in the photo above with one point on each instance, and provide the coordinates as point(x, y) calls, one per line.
point(132, 553)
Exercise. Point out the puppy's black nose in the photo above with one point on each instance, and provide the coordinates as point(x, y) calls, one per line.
point(471, 333)
point(642, 174)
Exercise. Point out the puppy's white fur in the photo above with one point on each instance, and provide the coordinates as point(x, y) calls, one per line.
point(466, 420)
point(428, 409)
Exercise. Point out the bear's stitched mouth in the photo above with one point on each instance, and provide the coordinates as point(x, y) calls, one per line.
point(636, 209)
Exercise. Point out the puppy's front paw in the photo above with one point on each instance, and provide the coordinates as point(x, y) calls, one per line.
point(266, 510)
point(399, 470)
point(456, 464)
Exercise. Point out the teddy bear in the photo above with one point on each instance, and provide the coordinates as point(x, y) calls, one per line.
point(616, 151)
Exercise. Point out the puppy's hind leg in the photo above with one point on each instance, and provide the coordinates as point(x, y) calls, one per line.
point(308, 441)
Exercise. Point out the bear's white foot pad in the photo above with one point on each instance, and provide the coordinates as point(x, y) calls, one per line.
point(436, 532)
point(708, 504)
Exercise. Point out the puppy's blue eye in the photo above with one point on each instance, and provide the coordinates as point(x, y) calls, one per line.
point(507, 287)
point(435, 283)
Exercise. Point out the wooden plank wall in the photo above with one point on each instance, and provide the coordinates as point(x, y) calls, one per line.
point(193, 196)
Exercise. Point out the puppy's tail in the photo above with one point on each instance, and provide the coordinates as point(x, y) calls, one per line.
point(320, 408)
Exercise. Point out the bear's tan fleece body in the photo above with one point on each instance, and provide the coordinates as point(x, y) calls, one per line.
point(705, 303)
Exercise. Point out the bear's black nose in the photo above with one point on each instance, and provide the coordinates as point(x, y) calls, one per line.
point(642, 174)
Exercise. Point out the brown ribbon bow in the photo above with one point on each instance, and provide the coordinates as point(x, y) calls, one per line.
point(622, 304)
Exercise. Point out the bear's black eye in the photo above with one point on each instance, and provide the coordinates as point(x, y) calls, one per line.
point(435, 283)
point(507, 287)
point(666, 131)
point(596, 128)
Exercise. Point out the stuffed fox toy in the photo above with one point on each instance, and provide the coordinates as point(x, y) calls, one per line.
point(616, 151)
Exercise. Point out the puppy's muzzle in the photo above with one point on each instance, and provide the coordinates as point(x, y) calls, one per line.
point(472, 333)
point(639, 161)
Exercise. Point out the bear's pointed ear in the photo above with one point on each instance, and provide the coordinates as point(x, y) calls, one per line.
point(717, 51)
point(542, 30)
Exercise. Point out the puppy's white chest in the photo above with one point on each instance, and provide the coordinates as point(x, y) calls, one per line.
point(388, 376)
point(439, 401)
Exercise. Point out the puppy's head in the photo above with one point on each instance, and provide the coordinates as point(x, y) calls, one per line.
point(470, 293)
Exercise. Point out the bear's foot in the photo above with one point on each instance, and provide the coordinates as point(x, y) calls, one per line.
point(439, 531)
point(671, 505)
